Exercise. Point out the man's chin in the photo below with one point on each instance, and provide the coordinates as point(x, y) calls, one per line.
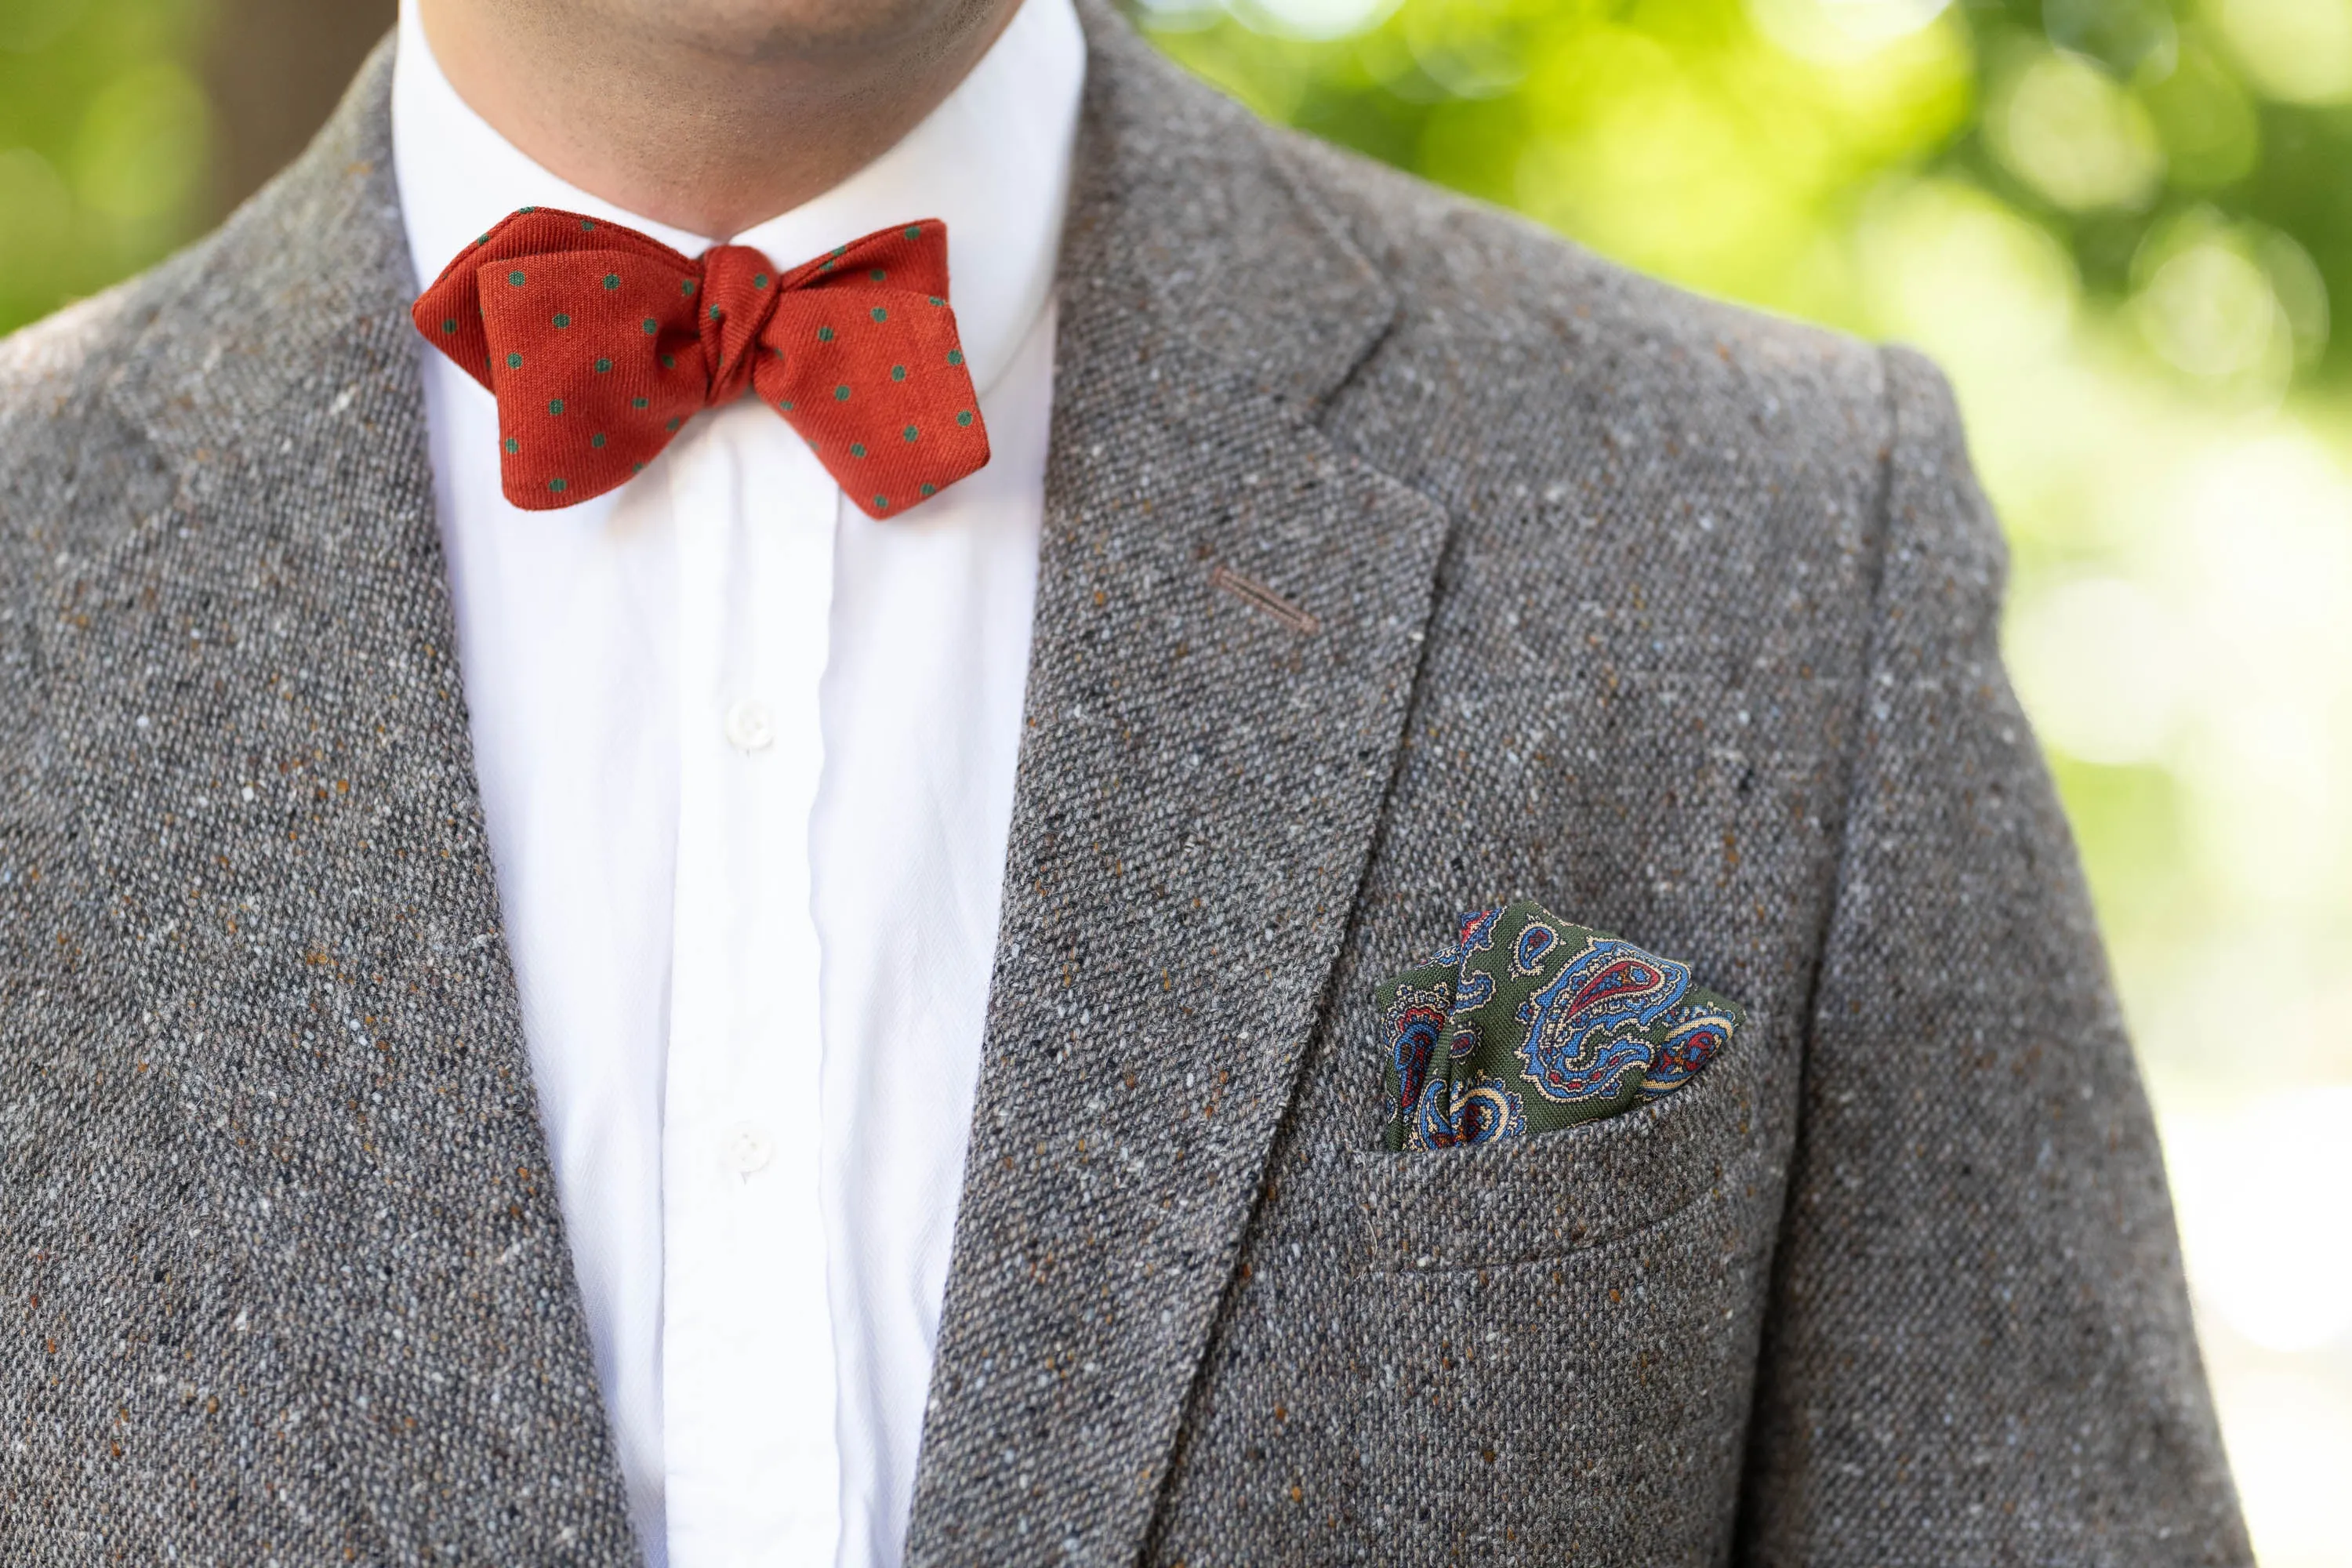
point(825, 31)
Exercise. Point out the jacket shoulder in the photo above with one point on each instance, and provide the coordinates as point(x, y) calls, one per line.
point(54, 372)
point(41, 364)
point(72, 464)
point(1729, 465)
point(1495, 279)
point(104, 405)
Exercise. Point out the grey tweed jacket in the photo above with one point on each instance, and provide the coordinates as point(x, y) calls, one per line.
point(1677, 619)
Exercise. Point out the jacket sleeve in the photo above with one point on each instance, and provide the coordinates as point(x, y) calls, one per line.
point(1979, 1346)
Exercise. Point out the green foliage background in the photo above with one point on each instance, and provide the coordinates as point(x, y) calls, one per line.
point(2124, 227)
point(1722, 142)
point(105, 143)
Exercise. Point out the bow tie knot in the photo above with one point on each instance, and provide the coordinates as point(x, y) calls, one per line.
point(600, 343)
point(738, 295)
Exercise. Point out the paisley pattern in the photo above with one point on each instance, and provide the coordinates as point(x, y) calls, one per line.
point(1415, 1019)
point(1525, 1023)
point(1486, 1111)
point(1584, 1029)
point(1695, 1032)
point(1474, 991)
point(1475, 932)
point(1596, 1068)
point(1528, 949)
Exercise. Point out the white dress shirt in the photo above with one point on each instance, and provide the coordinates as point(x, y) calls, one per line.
point(747, 759)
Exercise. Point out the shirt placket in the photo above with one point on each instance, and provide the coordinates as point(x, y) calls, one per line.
point(751, 1458)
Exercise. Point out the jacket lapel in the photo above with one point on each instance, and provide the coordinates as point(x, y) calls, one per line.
point(308, 903)
point(1230, 613)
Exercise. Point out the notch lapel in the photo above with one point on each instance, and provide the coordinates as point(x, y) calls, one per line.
point(1229, 624)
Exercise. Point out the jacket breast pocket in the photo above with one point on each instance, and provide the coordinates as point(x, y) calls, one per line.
point(1557, 1192)
point(1554, 1339)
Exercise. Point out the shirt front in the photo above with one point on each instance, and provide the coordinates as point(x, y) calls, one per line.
point(746, 758)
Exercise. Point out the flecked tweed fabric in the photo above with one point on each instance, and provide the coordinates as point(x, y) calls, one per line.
point(1398, 560)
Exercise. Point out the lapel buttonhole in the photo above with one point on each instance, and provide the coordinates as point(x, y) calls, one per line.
point(1252, 592)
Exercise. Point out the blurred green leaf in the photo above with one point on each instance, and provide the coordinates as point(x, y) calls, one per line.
point(141, 150)
point(105, 143)
point(30, 24)
point(1737, 147)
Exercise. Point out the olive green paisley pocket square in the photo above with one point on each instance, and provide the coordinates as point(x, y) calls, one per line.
point(1527, 1024)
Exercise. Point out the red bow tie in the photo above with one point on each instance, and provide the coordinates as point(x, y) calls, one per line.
point(599, 342)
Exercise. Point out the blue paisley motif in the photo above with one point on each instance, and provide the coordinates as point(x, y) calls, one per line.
point(1475, 991)
point(1483, 1112)
point(1536, 939)
point(1695, 1032)
point(1428, 1125)
point(1464, 1041)
point(1580, 1028)
point(1486, 1113)
point(1475, 934)
point(1415, 1022)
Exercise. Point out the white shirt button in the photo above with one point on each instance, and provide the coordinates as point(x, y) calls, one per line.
point(748, 1149)
point(749, 728)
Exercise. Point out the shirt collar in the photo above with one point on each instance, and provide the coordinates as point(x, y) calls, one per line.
point(992, 161)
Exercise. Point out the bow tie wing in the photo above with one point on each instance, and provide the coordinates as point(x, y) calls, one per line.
point(587, 334)
point(862, 357)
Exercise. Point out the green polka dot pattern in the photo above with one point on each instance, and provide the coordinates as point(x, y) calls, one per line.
point(626, 340)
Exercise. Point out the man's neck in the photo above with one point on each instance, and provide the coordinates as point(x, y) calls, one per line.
point(698, 118)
